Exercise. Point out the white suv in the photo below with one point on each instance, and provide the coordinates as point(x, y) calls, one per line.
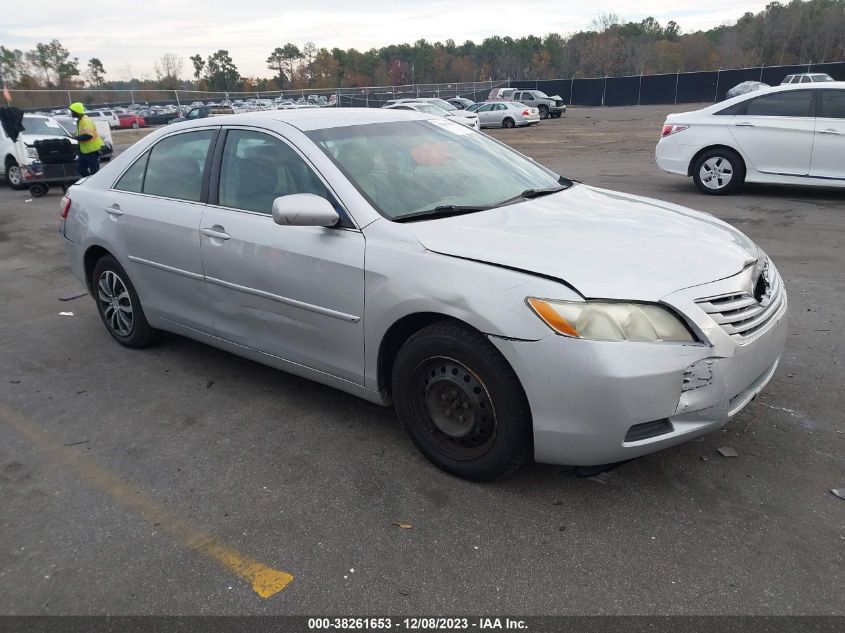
point(104, 115)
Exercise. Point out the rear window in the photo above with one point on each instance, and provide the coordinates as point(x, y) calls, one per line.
point(793, 103)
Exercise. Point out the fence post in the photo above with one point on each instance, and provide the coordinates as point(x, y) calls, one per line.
point(131, 97)
point(677, 77)
point(178, 105)
point(68, 97)
point(718, 76)
point(571, 89)
point(761, 72)
point(603, 90)
point(640, 91)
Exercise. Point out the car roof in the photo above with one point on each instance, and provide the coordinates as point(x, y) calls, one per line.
point(308, 119)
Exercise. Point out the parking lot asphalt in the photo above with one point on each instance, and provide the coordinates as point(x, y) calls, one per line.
point(184, 480)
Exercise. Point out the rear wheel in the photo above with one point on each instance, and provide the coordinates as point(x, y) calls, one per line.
point(134, 125)
point(461, 403)
point(119, 306)
point(508, 123)
point(14, 175)
point(718, 171)
point(544, 112)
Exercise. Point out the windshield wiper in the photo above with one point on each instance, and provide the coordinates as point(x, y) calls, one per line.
point(528, 194)
point(443, 211)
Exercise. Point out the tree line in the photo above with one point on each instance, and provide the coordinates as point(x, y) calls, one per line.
point(795, 33)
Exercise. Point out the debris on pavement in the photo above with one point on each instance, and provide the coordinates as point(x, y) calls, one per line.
point(839, 492)
point(65, 313)
point(727, 451)
point(403, 526)
point(72, 297)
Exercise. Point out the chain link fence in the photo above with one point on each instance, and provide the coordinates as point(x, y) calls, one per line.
point(669, 88)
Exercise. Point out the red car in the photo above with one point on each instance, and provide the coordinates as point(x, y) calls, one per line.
point(131, 120)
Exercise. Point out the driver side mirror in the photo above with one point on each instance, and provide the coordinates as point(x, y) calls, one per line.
point(304, 209)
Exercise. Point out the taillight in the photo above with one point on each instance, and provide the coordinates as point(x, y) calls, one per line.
point(526, 113)
point(669, 129)
point(65, 207)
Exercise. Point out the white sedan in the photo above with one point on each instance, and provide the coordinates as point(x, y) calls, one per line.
point(791, 134)
point(504, 311)
point(428, 108)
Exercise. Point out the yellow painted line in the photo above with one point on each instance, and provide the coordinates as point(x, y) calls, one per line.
point(265, 580)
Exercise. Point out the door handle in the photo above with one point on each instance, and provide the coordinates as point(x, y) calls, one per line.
point(114, 210)
point(216, 232)
point(829, 131)
point(744, 124)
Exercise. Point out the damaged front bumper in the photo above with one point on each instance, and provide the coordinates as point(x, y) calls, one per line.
point(603, 402)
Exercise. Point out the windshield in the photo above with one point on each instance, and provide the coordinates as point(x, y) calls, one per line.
point(442, 103)
point(430, 109)
point(42, 125)
point(540, 94)
point(822, 78)
point(408, 167)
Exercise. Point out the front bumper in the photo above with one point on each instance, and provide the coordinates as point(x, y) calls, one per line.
point(585, 395)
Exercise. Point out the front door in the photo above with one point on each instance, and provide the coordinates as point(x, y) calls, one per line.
point(829, 145)
point(776, 132)
point(291, 291)
point(156, 207)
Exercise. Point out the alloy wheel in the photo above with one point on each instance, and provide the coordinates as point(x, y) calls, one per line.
point(716, 173)
point(14, 176)
point(115, 303)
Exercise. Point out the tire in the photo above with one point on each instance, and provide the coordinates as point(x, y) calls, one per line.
point(718, 171)
point(14, 178)
point(38, 189)
point(134, 125)
point(128, 327)
point(508, 123)
point(461, 403)
point(544, 112)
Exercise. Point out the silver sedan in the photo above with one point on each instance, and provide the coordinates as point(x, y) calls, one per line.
point(503, 310)
point(506, 114)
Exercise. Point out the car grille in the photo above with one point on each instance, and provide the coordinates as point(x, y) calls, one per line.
point(742, 315)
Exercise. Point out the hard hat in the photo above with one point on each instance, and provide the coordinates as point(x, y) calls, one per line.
point(77, 107)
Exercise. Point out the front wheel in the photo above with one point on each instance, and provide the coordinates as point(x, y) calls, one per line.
point(134, 125)
point(718, 172)
point(461, 403)
point(119, 306)
point(544, 112)
point(14, 175)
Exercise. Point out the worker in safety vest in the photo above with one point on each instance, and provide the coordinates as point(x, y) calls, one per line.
point(89, 141)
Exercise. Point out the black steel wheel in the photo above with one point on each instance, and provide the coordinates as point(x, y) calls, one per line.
point(38, 189)
point(461, 403)
point(508, 123)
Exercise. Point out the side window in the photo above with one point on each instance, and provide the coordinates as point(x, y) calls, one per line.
point(795, 103)
point(805, 80)
point(501, 106)
point(485, 108)
point(176, 165)
point(133, 178)
point(833, 104)
point(258, 168)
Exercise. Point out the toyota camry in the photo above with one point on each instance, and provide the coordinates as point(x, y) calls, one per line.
point(506, 312)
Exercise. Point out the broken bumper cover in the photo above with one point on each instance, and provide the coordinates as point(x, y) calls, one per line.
point(585, 395)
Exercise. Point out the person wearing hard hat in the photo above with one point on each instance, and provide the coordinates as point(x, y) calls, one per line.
point(88, 161)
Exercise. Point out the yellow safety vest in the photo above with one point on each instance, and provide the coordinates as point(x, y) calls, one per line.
point(84, 125)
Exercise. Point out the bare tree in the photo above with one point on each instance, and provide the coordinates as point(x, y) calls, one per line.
point(168, 69)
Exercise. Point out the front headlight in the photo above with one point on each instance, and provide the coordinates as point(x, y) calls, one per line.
point(610, 321)
point(31, 152)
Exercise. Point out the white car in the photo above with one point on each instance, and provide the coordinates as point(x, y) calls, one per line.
point(428, 108)
point(504, 311)
point(791, 134)
point(104, 115)
point(806, 78)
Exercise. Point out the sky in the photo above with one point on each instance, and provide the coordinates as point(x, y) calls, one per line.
point(129, 37)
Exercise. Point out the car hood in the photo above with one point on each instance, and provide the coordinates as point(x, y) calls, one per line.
point(464, 113)
point(603, 243)
point(29, 139)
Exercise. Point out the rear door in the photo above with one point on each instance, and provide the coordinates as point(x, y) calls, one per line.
point(775, 132)
point(156, 206)
point(829, 145)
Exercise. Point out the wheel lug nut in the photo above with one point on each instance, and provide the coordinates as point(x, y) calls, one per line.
point(466, 405)
point(460, 418)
